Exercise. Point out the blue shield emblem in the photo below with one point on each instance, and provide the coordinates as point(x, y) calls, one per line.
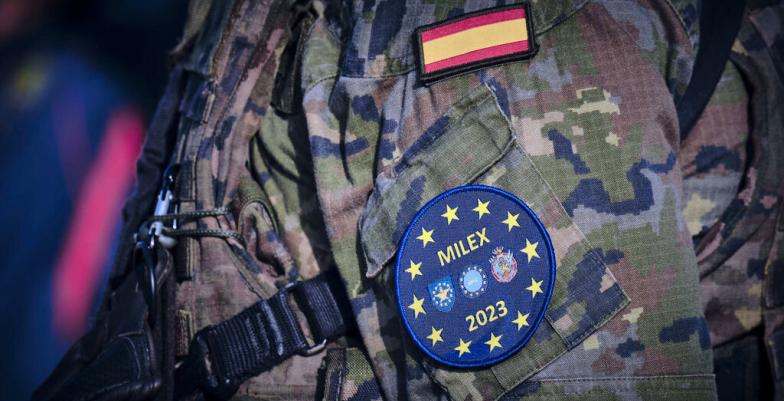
point(442, 294)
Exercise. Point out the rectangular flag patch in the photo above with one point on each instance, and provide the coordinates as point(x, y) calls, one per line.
point(476, 40)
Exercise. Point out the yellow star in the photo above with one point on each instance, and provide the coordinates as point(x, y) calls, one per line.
point(414, 269)
point(494, 342)
point(530, 250)
point(481, 207)
point(425, 237)
point(511, 220)
point(536, 287)
point(435, 335)
point(463, 348)
point(450, 214)
point(443, 294)
point(416, 306)
point(522, 320)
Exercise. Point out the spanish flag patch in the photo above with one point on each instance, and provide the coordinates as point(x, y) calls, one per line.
point(476, 40)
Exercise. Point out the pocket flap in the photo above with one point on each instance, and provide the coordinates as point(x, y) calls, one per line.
point(469, 143)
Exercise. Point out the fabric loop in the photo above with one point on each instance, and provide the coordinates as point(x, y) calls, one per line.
point(195, 214)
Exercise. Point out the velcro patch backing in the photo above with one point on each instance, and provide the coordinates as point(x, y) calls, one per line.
point(475, 40)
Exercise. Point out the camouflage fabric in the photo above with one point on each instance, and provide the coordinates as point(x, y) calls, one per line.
point(738, 232)
point(309, 122)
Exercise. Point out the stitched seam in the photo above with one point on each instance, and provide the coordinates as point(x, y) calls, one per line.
point(319, 81)
point(552, 323)
point(522, 379)
point(241, 266)
point(309, 34)
point(704, 376)
point(678, 378)
point(551, 24)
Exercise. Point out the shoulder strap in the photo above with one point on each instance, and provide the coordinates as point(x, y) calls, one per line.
point(719, 24)
point(223, 356)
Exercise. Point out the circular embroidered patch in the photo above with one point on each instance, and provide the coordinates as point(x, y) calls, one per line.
point(474, 274)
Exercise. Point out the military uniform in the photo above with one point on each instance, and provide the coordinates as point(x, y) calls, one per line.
point(308, 139)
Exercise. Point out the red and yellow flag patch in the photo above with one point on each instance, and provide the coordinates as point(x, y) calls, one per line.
point(475, 40)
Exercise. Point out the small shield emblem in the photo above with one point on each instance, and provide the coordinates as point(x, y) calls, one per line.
point(503, 265)
point(442, 294)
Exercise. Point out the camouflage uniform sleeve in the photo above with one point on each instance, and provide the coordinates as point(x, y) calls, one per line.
point(585, 132)
point(733, 209)
point(326, 143)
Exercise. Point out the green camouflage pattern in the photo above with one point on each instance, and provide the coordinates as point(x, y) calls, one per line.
point(348, 376)
point(224, 101)
point(313, 128)
point(739, 238)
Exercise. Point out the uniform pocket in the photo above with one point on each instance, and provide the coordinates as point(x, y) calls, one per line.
point(259, 229)
point(263, 259)
point(474, 143)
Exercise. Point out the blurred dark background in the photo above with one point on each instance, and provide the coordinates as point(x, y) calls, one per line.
point(79, 81)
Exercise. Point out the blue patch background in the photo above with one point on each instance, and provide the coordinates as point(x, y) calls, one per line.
point(514, 293)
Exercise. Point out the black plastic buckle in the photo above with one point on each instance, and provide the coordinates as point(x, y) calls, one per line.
point(207, 374)
point(212, 382)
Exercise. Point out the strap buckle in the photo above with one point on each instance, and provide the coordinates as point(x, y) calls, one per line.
point(162, 207)
point(210, 379)
point(312, 349)
point(149, 236)
point(224, 355)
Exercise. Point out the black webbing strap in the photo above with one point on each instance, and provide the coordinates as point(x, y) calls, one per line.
point(719, 24)
point(222, 356)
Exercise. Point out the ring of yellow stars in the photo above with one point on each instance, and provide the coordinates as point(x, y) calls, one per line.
point(426, 237)
point(443, 294)
point(450, 214)
point(535, 288)
point(522, 320)
point(494, 342)
point(530, 250)
point(416, 306)
point(413, 269)
point(481, 208)
point(511, 220)
point(435, 335)
point(463, 348)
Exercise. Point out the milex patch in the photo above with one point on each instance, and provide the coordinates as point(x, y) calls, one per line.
point(475, 40)
point(474, 274)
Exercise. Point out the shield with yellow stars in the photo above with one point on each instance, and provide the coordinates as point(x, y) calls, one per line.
point(442, 294)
